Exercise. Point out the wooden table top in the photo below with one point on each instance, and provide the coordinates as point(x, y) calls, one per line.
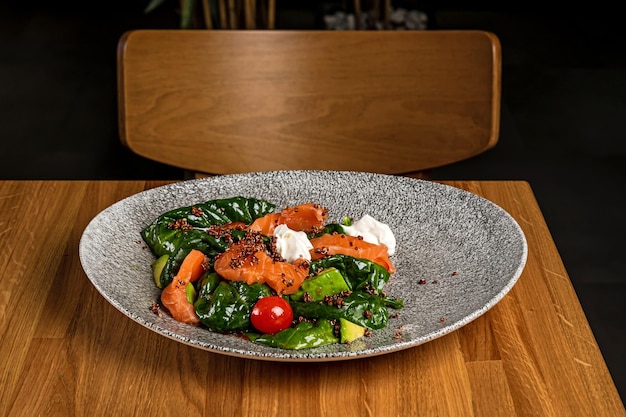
point(64, 350)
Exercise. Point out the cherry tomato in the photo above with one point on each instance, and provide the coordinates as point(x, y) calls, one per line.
point(271, 314)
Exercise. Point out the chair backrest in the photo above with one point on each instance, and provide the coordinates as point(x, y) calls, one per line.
point(223, 102)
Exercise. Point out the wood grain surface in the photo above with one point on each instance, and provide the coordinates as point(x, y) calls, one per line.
point(377, 101)
point(64, 350)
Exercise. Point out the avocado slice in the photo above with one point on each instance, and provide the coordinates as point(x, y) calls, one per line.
point(350, 331)
point(191, 293)
point(157, 268)
point(328, 282)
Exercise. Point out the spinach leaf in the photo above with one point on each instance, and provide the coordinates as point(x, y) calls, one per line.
point(176, 259)
point(360, 274)
point(207, 284)
point(328, 229)
point(361, 308)
point(304, 335)
point(228, 307)
point(161, 238)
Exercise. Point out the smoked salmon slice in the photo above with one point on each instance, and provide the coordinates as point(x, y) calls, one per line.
point(266, 224)
point(341, 244)
point(306, 217)
point(174, 296)
point(240, 263)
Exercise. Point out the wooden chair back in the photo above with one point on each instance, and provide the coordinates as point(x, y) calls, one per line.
point(223, 102)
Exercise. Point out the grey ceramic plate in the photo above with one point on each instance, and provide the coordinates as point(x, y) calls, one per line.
point(469, 251)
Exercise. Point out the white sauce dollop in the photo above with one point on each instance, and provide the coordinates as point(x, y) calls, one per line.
point(291, 244)
point(373, 231)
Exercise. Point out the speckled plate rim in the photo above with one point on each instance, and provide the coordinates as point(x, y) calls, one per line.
point(469, 251)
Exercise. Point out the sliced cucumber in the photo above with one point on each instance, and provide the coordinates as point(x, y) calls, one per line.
point(157, 269)
point(192, 294)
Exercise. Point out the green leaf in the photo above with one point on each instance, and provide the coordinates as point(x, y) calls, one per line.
point(162, 239)
point(153, 5)
point(228, 308)
point(186, 15)
point(360, 274)
point(207, 284)
point(328, 282)
point(328, 229)
point(304, 335)
point(360, 308)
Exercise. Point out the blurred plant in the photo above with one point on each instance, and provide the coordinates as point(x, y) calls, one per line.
point(222, 14)
point(188, 9)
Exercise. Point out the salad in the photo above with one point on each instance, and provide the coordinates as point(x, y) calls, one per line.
point(288, 279)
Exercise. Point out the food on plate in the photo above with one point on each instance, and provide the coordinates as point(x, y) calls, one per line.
point(355, 246)
point(174, 296)
point(288, 279)
point(241, 262)
point(304, 217)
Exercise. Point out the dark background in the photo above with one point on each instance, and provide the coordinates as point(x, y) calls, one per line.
point(562, 123)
